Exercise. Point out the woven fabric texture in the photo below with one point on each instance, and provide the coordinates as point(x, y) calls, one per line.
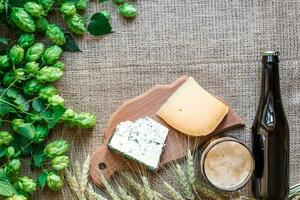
point(218, 42)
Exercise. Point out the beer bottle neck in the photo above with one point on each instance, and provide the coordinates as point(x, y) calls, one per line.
point(270, 80)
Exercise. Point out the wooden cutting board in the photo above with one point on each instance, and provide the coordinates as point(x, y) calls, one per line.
point(107, 163)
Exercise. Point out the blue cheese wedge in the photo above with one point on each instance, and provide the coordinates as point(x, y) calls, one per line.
point(142, 140)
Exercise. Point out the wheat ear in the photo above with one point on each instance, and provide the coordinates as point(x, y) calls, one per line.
point(209, 192)
point(190, 170)
point(109, 188)
point(176, 195)
point(146, 193)
point(124, 195)
point(85, 173)
point(184, 183)
point(92, 194)
point(74, 186)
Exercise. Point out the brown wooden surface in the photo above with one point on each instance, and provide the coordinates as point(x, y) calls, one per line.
point(147, 104)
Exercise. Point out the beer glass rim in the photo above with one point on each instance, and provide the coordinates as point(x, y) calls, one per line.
point(212, 143)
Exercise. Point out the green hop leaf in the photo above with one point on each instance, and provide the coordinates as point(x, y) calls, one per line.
point(27, 130)
point(23, 20)
point(70, 44)
point(76, 24)
point(106, 14)
point(60, 163)
point(68, 115)
point(26, 184)
point(41, 132)
point(35, 52)
point(13, 167)
point(47, 5)
point(33, 117)
point(56, 148)
point(6, 188)
point(119, 1)
point(41, 24)
point(52, 54)
point(47, 91)
point(59, 65)
point(85, 120)
point(32, 68)
point(5, 138)
point(33, 9)
point(55, 34)
point(127, 10)
point(26, 40)
point(56, 100)
point(17, 197)
point(49, 74)
point(42, 179)
point(54, 181)
point(31, 87)
point(99, 25)
point(10, 151)
point(81, 5)
point(16, 54)
point(68, 9)
point(4, 62)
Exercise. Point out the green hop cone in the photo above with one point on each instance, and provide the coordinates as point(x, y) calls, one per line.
point(10, 151)
point(41, 132)
point(19, 75)
point(35, 52)
point(5, 138)
point(127, 10)
point(33, 9)
point(31, 87)
point(85, 120)
point(60, 163)
point(26, 184)
point(4, 62)
point(47, 91)
point(76, 24)
point(13, 167)
point(68, 9)
point(41, 24)
point(55, 34)
point(16, 54)
point(52, 54)
point(68, 115)
point(26, 40)
point(17, 197)
point(16, 123)
point(8, 79)
point(81, 5)
point(32, 68)
point(47, 5)
point(23, 20)
point(56, 148)
point(56, 100)
point(106, 14)
point(54, 181)
point(49, 74)
point(59, 65)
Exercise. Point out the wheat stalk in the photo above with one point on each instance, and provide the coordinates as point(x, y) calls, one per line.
point(184, 183)
point(176, 195)
point(124, 195)
point(85, 174)
point(74, 186)
point(109, 188)
point(92, 194)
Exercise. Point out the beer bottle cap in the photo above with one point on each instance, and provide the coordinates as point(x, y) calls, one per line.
point(270, 56)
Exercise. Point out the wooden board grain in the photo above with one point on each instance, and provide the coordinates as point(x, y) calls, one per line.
point(107, 163)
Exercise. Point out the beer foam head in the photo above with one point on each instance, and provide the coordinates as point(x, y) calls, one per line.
point(228, 165)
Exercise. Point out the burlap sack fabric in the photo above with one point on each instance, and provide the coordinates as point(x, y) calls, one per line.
point(217, 42)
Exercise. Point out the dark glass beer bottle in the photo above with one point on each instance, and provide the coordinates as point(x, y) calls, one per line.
point(270, 136)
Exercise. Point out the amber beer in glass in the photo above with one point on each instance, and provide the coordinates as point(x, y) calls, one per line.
point(270, 136)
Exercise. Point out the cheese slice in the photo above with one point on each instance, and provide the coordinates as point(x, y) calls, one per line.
point(192, 110)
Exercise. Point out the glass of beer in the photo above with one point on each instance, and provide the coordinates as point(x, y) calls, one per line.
point(226, 163)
